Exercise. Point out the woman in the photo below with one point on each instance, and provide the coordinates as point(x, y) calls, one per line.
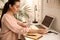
point(9, 25)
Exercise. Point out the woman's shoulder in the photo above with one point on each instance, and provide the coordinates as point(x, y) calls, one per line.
point(5, 16)
point(9, 17)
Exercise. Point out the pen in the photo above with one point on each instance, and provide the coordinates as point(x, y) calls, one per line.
point(31, 35)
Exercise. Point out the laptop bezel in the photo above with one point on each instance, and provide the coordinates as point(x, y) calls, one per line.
point(50, 23)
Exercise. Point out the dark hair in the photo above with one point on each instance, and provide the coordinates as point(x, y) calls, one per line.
point(6, 7)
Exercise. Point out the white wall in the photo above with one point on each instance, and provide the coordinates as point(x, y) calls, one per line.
point(52, 8)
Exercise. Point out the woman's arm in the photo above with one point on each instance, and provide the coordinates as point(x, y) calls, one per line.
point(22, 24)
point(13, 26)
point(42, 31)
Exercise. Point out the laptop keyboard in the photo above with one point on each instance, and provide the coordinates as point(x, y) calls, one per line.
point(40, 27)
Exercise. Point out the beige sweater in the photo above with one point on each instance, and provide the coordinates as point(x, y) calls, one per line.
point(10, 28)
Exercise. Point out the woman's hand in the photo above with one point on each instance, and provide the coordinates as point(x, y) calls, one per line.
point(26, 25)
point(42, 31)
point(23, 24)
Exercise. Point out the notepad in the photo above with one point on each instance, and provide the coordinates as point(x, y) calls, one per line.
point(34, 35)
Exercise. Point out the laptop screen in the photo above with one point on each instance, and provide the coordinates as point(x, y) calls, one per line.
point(47, 21)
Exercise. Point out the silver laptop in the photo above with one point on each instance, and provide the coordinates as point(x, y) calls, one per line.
point(46, 23)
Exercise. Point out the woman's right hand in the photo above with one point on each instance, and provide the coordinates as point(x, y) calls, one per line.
point(42, 31)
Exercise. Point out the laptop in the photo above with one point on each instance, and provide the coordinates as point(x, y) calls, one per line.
point(46, 23)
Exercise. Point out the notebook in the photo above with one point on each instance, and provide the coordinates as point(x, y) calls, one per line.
point(34, 36)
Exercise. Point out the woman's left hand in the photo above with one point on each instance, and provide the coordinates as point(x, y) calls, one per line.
point(26, 25)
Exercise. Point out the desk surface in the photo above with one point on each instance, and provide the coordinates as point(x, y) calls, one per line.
point(49, 36)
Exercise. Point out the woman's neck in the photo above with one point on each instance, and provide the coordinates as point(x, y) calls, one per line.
point(10, 12)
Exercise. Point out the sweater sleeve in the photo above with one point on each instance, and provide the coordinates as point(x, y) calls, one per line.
point(12, 25)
